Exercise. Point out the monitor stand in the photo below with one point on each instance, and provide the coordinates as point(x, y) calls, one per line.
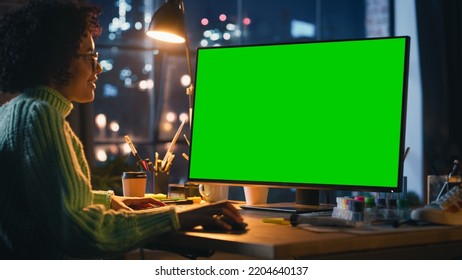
point(306, 201)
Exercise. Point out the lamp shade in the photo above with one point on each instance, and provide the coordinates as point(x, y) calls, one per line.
point(167, 23)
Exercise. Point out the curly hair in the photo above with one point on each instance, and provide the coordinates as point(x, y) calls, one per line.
point(39, 41)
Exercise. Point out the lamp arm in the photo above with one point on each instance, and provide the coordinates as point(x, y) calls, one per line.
point(186, 42)
point(190, 88)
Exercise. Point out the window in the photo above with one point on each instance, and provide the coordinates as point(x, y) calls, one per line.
point(142, 91)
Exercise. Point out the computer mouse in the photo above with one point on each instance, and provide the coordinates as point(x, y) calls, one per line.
point(239, 226)
point(235, 226)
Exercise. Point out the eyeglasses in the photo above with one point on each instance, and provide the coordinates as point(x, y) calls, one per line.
point(92, 57)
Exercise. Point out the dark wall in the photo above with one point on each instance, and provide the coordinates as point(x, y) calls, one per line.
point(440, 46)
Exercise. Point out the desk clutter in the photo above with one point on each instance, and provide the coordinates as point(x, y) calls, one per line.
point(178, 192)
point(444, 199)
point(158, 171)
point(358, 211)
point(174, 200)
point(446, 210)
point(371, 209)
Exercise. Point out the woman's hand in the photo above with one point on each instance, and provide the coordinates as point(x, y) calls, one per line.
point(134, 203)
point(221, 215)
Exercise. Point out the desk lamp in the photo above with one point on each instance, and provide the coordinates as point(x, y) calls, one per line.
point(167, 24)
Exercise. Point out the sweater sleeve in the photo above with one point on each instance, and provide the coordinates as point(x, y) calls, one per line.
point(61, 194)
point(103, 197)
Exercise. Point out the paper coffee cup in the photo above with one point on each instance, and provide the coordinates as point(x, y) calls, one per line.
point(255, 195)
point(134, 183)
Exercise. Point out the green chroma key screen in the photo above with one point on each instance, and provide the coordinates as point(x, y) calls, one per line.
point(324, 114)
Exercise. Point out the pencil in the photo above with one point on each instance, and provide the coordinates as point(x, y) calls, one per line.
point(132, 148)
point(187, 140)
point(185, 156)
point(172, 144)
point(408, 149)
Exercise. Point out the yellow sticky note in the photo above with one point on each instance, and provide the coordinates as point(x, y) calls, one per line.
point(278, 221)
point(156, 195)
point(195, 199)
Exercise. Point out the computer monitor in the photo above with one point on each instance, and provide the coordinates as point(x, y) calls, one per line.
point(312, 115)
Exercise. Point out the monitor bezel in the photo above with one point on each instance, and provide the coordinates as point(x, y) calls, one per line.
point(314, 186)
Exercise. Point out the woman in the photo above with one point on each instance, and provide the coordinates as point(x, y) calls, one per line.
point(47, 54)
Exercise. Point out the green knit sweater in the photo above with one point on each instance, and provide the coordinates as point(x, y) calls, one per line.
point(47, 207)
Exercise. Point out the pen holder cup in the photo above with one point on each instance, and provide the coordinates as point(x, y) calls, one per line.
point(161, 182)
point(436, 183)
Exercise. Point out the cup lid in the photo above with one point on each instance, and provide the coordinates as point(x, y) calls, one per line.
point(133, 174)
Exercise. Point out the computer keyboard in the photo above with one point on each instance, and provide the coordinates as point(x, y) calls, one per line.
point(320, 220)
point(290, 207)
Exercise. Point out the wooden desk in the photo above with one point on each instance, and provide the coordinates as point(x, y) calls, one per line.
point(273, 241)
